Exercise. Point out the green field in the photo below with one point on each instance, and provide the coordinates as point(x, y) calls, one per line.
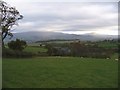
point(60, 72)
point(35, 49)
point(108, 45)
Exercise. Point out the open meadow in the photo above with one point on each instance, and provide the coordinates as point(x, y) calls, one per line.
point(60, 72)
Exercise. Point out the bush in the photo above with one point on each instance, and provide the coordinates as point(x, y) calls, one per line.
point(8, 53)
point(17, 45)
point(79, 50)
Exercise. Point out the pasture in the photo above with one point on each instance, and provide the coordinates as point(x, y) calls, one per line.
point(60, 72)
point(35, 49)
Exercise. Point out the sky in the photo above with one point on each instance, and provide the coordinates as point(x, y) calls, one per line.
point(71, 17)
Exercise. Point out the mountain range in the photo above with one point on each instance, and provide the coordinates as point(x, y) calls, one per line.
point(33, 36)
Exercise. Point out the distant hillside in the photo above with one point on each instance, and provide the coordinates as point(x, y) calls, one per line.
point(34, 36)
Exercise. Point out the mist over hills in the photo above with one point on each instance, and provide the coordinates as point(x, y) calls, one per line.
point(33, 36)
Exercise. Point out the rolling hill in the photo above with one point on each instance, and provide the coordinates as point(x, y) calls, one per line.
point(33, 36)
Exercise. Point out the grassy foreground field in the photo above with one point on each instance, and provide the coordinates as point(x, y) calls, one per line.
point(60, 72)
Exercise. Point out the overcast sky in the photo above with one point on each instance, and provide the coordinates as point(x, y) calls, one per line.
point(67, 17)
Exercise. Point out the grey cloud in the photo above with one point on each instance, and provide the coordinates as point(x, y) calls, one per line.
point(69, 16)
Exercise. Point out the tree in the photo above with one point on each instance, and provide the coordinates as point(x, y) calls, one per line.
point(17, 45)
point(8, 18)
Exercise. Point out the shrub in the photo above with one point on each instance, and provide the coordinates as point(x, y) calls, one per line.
point(9, 53)
point(79, 50)
point(17, 45)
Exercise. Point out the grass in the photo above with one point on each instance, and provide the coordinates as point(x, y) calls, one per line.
point(35, 49)
point(108, 45)
point(60, 72)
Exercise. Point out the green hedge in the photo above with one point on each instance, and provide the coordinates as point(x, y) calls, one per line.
point(8, 53)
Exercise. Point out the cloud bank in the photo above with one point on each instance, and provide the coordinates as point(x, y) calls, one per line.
point(68, 17)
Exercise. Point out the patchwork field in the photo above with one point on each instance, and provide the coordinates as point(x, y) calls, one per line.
point(60, 72)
